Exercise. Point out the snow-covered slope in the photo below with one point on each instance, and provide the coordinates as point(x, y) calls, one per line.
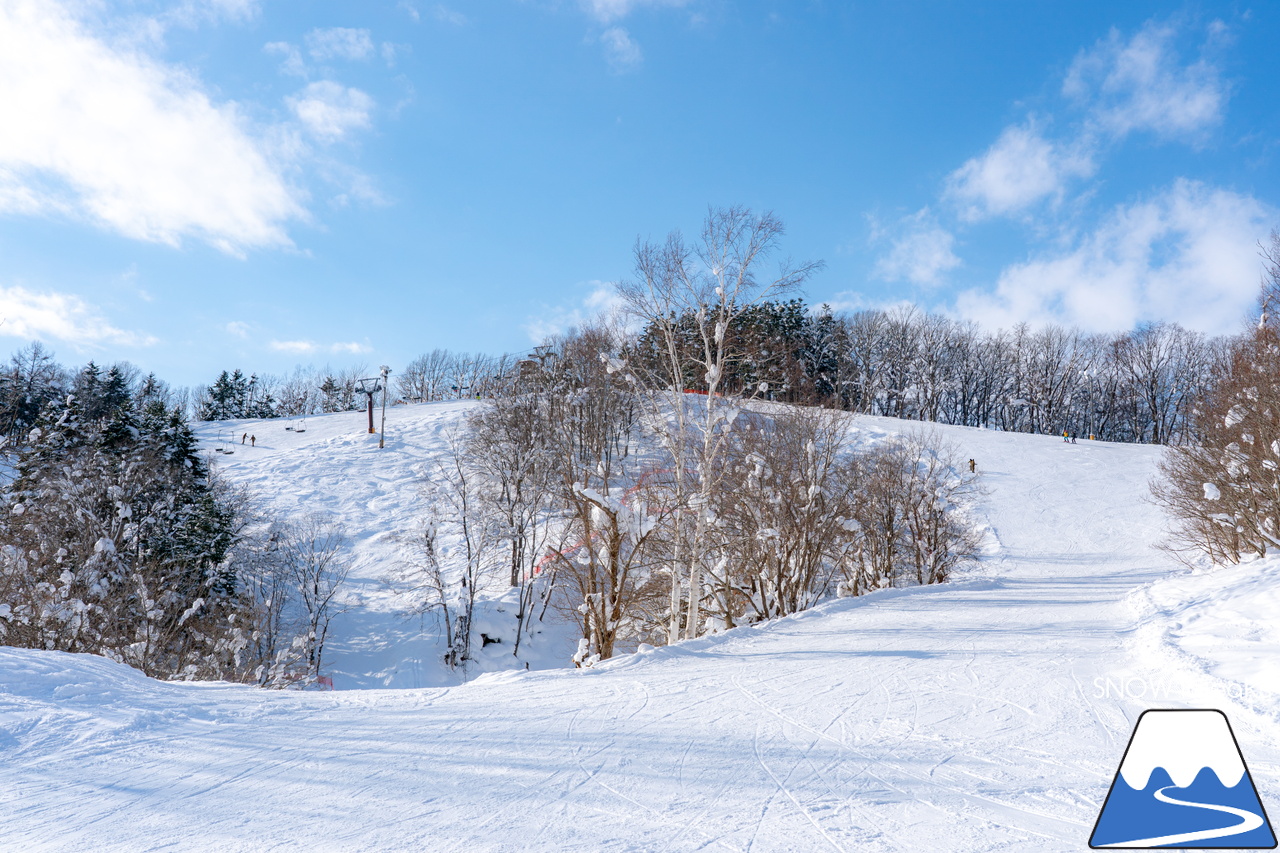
point(1217, 627)
point(987, 714)
point(331, 465)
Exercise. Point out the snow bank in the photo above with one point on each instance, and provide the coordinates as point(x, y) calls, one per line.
point(1219, 622)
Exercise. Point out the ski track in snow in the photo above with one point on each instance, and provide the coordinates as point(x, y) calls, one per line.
point(963, 717)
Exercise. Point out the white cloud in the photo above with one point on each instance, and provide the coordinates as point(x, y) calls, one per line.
point(127, 142)
point(1123, 86)
point(308, 347)
point(1187, 255)
point(339, 43)
point(357, 188)
point(1020, 169)
point(921, 254)
point(293, 64)
point(846, 301)
point(297, 347)
point(602, 301)
point(852, 301)
point(1141, 85)
point(239, 328)
point(620, 49)
point(607, 11)
point(233, 9)
point(60, 316)
point(449, 16)
point(330, 110)
point(622, 53)
point(191, 12)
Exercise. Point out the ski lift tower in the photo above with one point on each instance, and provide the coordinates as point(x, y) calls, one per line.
point(369, 387)
point(542, 352)
point(535, 366)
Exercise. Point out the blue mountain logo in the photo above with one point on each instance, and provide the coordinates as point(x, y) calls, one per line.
point(1183, 783)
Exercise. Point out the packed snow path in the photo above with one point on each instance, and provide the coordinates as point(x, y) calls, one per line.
point(969, 717)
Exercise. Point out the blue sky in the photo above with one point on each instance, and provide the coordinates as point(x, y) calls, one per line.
point(205, 184)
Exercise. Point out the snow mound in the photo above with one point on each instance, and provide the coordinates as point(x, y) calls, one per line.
point(1218, 622)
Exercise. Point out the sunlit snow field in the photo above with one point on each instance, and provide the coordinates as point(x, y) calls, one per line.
point(986, 714)
point(331, 465)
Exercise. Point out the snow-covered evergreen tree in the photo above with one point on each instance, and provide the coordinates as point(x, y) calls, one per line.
point(115, 537)
point(233, 396)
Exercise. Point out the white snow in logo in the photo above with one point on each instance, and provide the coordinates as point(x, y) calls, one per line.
point(1183, 743)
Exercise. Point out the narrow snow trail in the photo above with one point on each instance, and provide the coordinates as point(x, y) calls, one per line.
point(967, 717)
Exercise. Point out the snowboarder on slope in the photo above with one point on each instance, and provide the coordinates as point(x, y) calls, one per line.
point(253, 439)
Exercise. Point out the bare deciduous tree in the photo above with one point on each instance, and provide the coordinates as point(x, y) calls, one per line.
point(511, 444)
point(314, 554)
point(606, 577)
point(1223, 492)
point(714, 283)
point(1269, 296)
point(428, 575)
point(451, 575)
point(780, 520)
point(426, 378)
point(908, 515)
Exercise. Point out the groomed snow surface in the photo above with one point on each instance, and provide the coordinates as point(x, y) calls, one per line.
point(986, 714)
